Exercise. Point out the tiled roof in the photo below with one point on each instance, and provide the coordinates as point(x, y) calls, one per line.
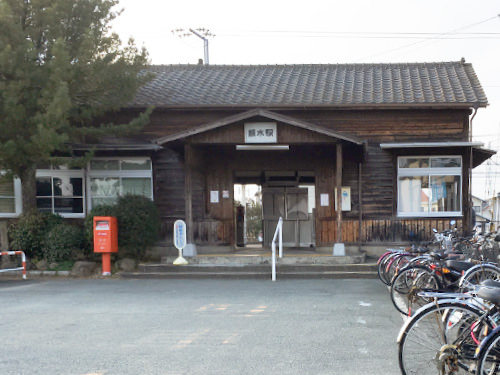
point(335, 85)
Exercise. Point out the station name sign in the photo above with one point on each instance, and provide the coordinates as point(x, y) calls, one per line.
point(261, 132)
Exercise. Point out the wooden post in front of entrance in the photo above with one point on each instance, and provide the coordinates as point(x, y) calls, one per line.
point(338, 247)
point(190, 248)
point(338, 183)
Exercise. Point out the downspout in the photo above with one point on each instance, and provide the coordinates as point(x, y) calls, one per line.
point(469, 197)
point(470, 122)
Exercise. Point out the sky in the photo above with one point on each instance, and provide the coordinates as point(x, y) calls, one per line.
point(269, 32)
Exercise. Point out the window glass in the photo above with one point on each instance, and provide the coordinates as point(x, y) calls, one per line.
point(105, 187)
point(6, 187)
point(10, 197)
point(413, 162)
point(414, 194)
point(445, 193)
point(452, 162)
point(60, 191)
point(111, 178)
point(104, 165)
point(296, 204)
point(103, 201)
point(44, 186)
point(429, 186)
point(44, 204)
point(7, 196)
point(134, 165)
point(68, 205)
point(68, 186)
point(137, 186)
point(7, 205)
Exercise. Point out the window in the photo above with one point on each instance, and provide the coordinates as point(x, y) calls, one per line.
point(111, 178)
point(10, 196)
point(59, 190)
point(430, 186)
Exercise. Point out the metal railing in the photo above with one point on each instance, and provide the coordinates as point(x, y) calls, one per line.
point(277, 233)
point(23, 259)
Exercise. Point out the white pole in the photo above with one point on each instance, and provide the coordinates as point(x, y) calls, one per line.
point(273, 256)
point(280, 223)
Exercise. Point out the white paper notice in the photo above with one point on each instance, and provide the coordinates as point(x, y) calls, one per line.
point(325, 200)
point(214, 196)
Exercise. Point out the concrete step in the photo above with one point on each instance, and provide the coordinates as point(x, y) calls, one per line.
point(248, 259)
point(257, 267)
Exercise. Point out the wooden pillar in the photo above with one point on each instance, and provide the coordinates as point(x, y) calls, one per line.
point(190, 249)
point(338, 183)
point(360, 201)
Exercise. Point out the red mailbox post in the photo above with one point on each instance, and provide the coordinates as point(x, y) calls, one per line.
point(105, 240)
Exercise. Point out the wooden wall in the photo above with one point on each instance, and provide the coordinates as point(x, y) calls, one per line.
point(217, 160)
point(168, 182)
point(383, 231)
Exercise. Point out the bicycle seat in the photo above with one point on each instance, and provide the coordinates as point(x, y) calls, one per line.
point(490, 293)
point(458, 265)
point(419, 250)
point(437, 256)
point(490, 283)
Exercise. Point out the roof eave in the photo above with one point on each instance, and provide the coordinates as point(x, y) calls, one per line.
point(317, 106)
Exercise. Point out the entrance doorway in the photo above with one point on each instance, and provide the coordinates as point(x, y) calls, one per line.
point(287, 194)
point(248, 202)
point(296, 206)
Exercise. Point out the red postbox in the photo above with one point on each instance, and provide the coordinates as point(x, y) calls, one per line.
point(105, 240)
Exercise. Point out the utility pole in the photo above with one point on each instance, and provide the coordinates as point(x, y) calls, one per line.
point(201, 33)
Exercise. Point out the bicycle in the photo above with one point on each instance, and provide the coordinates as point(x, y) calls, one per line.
point(444, 335)
point(436, 272)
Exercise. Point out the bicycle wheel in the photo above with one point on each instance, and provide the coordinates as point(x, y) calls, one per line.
point(381, 264)
point(488, 361)
point(479, 273)
point(384, 265)
point(397, 264)
point(438, 339)
point(407, 284)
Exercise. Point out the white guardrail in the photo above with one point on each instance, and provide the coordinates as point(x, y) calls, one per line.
point(277, 233)
point(23, 258)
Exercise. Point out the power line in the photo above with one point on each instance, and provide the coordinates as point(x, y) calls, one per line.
point(357, 35)
point(455, 31)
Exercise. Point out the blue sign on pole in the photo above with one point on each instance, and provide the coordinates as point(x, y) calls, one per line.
point(180, 234)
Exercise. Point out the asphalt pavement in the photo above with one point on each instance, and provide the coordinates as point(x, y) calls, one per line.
point(181, 327)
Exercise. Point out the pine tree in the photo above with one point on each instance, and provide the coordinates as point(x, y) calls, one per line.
point(61, 68)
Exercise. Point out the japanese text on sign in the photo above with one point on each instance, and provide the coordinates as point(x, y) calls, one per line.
point(260, 132)
point(179, 234)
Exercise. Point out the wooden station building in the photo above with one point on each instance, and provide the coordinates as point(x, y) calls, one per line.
point(357, 154)
point(353, 154)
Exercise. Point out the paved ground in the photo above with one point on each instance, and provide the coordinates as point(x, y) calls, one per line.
point(181, 327)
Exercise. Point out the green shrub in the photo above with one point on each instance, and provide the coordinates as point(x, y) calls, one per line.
point(62, 242)
point(138, 224)
point(28, 233)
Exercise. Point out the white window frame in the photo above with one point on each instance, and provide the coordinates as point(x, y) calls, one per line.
point(146, 173)
point(65, 173)
point(409, 172)
point(18, 199)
